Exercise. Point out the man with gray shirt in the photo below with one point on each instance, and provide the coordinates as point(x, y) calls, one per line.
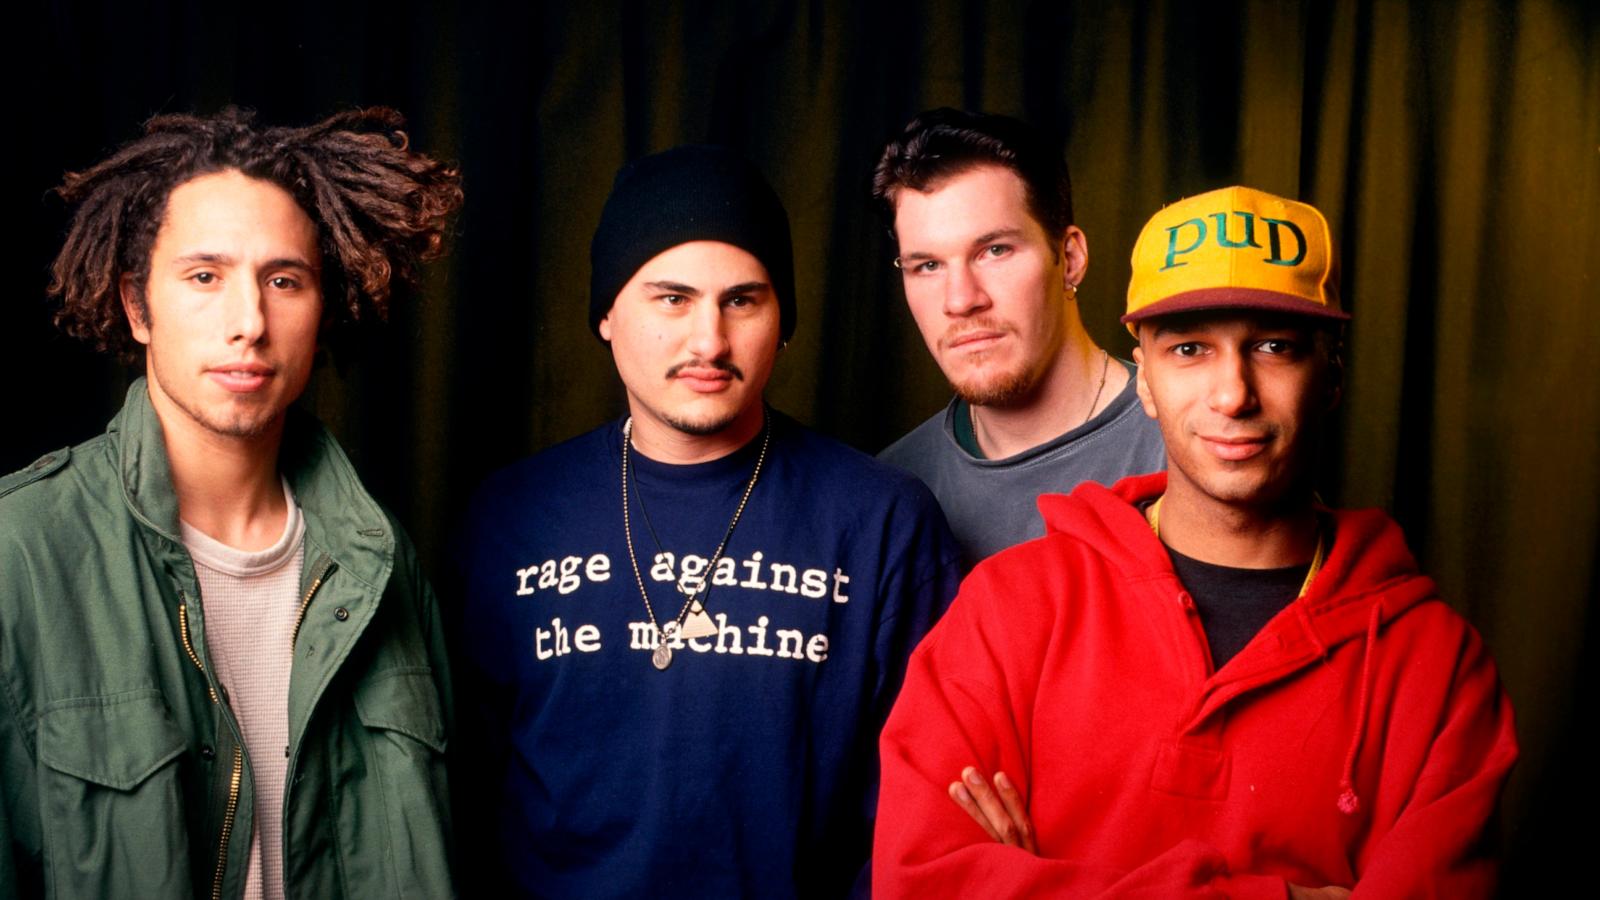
point(981, 208)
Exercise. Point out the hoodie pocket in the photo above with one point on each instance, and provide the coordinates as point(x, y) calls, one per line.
point(111, 799)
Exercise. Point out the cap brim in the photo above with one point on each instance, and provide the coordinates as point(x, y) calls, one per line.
point(1254, 299)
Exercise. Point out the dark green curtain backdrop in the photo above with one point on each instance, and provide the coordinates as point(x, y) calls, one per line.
point(1454, 146)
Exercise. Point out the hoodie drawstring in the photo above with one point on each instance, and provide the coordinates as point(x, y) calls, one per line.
point(1348, 801)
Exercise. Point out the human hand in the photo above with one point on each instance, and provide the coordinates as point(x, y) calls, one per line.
point(998, 810)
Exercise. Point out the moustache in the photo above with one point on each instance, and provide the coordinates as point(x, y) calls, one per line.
point(970, 326)
point(721, 365)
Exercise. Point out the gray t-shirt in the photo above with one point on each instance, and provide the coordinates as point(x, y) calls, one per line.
point(991, 503)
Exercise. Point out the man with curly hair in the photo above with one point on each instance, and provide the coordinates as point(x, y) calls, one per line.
point(221, 672)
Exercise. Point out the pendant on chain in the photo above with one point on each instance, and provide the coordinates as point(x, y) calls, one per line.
point(698, 624)
point(662, 656)
point(692, 620)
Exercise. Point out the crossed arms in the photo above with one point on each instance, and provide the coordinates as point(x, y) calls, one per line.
point(979, 695)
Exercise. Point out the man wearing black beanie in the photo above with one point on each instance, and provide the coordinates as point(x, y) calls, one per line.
point(683, 630)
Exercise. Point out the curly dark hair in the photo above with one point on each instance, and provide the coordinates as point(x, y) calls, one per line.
point(379, 207)
point(940, 143)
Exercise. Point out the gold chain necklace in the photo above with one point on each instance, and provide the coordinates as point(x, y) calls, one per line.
point(662, 656)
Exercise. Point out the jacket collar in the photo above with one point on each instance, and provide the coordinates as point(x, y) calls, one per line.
point(341, 517)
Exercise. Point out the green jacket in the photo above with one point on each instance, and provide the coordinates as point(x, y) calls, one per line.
point(122, 771)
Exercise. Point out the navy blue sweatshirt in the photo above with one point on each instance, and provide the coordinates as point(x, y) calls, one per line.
point(749, 766)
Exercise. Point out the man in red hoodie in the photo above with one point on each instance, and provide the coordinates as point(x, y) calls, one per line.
point(1202, 681)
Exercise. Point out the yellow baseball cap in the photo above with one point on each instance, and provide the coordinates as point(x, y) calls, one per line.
point(1234, 248)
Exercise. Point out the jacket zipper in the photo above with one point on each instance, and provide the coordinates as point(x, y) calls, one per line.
point(183, 632)
point(227, 822)
point(234, 780)
point(323, 568)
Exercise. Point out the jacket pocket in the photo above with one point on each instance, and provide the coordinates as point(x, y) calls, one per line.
point(400, 711)
point(404, 700)
point(111, 798)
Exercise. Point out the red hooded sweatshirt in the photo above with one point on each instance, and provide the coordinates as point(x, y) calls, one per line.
point(1360, 739)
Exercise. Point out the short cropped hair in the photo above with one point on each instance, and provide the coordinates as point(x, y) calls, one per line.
point(379, 208)
point(944, 142)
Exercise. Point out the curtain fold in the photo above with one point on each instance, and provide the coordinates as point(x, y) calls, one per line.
point(1455, 147)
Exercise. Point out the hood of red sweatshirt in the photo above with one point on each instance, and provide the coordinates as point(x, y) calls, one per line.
point(1368, 563)
point(1369, 579)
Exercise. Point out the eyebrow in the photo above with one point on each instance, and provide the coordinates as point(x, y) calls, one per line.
point(748, 287)
point(1163, 328)
point(223, 259)
point(992, 236)
point(289, 262)
point(988, 237)
point(673, 286)
point(1186, 330)
point(1198, 322)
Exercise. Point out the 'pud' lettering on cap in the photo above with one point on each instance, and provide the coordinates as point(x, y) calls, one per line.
point(1249, 231)
point(1274, 241)
point(1238, 248)
point(1276, 248)
point(1172, 242)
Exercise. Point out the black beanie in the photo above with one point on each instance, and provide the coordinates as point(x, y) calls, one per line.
point(694, 193)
